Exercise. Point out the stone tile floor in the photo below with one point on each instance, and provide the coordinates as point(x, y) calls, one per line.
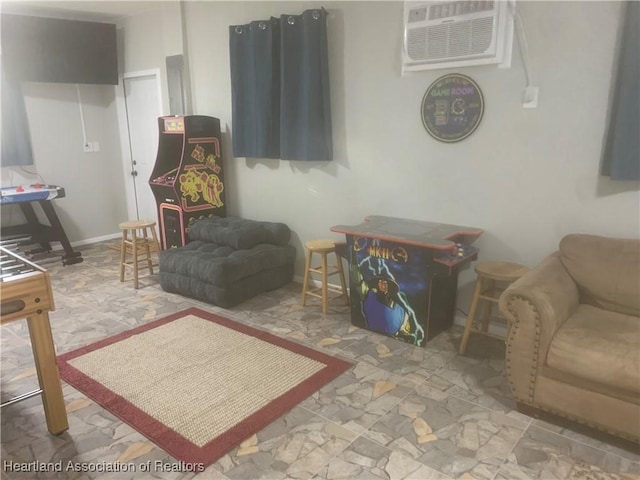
point(401, 412)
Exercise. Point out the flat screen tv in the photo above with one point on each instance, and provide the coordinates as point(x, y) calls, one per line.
point(38, 49)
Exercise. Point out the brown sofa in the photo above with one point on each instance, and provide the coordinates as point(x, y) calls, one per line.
point(573, 347)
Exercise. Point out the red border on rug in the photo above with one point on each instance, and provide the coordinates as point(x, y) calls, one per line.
point(168, 439)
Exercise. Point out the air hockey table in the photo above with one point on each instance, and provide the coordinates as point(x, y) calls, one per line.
point(42, 194)
point(403, 274)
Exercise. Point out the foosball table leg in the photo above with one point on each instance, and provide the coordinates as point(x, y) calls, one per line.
point(44, 355)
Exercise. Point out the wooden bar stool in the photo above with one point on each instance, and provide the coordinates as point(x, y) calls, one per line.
point(143, 242)
point(493, 278)
point(323, 247)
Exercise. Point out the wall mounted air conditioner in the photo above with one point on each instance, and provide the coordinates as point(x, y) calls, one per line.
point(457, 33)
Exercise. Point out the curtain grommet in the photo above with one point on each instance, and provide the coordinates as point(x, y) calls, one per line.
point(262, 26)
point(315, 14)
point(291, 20)
point(238, 30)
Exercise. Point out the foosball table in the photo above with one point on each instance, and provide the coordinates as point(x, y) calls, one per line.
point(25, 292)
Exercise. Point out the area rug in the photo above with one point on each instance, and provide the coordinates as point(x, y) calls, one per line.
point(197, 384)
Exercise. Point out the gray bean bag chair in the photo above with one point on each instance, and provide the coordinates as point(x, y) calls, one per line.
point(229, 260)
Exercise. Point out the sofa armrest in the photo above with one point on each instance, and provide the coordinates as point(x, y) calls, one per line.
point(535, 305)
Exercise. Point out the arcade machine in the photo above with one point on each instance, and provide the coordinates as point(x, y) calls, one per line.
point(187, 180)
point(403, 274)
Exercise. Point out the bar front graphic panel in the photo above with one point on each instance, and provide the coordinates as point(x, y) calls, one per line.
point(403, 275)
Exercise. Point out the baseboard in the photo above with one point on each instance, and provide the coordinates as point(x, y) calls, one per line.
point(57, 247)
point(111, 236)
point(316, 283)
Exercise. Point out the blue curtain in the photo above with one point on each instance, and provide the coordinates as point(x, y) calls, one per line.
point(16, 140)
point(280, 88)
point(621, 157)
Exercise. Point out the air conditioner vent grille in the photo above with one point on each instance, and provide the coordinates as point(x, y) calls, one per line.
point(417, 14)
point(417, 43)
point(460, 7)
point(457, 33)
point(459, 39)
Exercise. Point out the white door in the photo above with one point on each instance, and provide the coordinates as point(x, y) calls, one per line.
point(143, 106)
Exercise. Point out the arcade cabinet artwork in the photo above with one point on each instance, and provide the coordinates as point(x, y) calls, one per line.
point(403, 275)
point(187, 179)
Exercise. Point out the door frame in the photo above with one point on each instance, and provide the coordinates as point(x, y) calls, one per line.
point(123, 129)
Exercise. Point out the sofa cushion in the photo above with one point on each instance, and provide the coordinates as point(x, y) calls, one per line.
point(239, 233)
point(599, 346)
point(229, 295)
point(221, 265)
point(605, 270)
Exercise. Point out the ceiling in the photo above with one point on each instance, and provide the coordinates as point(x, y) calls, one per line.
point(89, 10)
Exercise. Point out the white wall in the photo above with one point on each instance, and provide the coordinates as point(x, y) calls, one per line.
point(149, 38)
point(94, 182)
point(94, 204)
point(525, 176)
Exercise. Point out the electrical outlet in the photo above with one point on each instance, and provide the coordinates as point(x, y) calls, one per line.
point(530, 97)
point(88, 148)
point(96, 146)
